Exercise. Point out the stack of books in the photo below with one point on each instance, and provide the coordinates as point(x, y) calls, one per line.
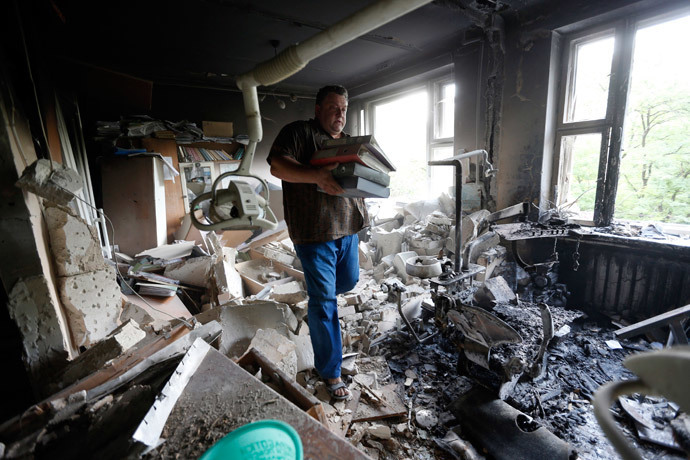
point(155, 285)
point(363, 167)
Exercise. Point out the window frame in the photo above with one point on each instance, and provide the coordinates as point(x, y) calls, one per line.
point(434, 90)
point(611, 126)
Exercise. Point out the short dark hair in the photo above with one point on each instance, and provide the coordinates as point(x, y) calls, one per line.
point(323, 92)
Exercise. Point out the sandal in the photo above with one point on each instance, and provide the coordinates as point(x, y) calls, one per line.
point(333, 387)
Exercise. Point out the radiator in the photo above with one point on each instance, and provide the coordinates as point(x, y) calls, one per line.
point(633, 281)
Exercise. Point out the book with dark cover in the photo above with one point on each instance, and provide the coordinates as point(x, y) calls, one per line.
point(367, 141)
point(356, 169)
point(346, 154)
point(356, 187)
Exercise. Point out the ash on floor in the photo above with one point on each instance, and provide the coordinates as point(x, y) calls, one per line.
point(429, 381)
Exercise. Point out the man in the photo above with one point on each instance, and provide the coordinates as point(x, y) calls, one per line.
point(323, 226)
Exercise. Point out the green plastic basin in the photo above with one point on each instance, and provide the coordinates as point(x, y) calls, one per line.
point(262, 440)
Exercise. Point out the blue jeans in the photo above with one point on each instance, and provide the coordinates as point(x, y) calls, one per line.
point(330, 268)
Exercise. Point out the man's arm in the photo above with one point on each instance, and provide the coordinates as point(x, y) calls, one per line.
point(290, 170)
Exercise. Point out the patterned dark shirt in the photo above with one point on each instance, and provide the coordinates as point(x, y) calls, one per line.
point(313, 216)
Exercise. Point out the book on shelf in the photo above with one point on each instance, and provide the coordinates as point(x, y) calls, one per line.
point(357, 169)
point(188, 154)
point(367, 141)
point(359, 187)
point(346, 154)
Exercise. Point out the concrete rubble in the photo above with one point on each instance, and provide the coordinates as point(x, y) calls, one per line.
point(401, 389)
point(88, 287)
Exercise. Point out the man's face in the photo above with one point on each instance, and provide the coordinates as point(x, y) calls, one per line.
point(331, 113)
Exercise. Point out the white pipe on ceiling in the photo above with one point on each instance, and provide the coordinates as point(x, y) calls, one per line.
point(294, 58)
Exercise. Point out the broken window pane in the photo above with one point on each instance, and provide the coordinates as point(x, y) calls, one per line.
point(400, 127)
point(579, 169)
point(589, 80)
point(654, 182)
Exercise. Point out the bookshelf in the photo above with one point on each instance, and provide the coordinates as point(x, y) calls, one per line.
point(202, 162)
point(209, 151)
point(177, 193)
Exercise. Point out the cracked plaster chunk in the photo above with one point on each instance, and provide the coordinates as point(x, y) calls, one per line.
point(366, 256)
point(300, 309)
point(228, 279)
point(74, 243)
point(51, 180)
point(93, 304)
point(44, 343)
point(303, 350)
point(494, 289)
point(379, 431)
point(279, 256)
point(421, 209)
point(194, 271)
point(290, 293)
point(136, 313)
point(278, 349)
point(439, 218)
point(387, 243)
point(240, 323)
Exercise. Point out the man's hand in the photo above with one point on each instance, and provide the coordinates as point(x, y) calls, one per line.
point(327, 182)
point(289, 170)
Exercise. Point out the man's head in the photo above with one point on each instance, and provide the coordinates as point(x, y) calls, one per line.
point(331, 109)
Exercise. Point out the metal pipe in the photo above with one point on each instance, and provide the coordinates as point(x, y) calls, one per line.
point(456, 161)
point(295, 58)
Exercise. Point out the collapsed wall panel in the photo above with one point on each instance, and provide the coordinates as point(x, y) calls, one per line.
point(32, 307)
point(93, 302)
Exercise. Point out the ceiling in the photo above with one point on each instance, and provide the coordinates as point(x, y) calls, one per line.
point(209, 42)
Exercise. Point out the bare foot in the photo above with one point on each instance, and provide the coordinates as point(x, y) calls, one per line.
point(340, 391)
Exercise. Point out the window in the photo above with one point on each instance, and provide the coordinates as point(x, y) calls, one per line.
point(414, 127)
point(623, 131)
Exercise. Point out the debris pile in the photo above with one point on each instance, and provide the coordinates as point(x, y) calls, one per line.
point(148, 383)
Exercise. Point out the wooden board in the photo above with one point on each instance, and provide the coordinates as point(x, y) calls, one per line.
point(392, 406)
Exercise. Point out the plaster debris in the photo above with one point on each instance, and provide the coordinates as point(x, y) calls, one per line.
point(277, 254)
point(240, 323)
point(300, 309)
point(136, 313)
point(51, 180)
point(387, 243)
point(303, 350)
point(426, 419)
point(491, 260)
point(291, 293)
point(119, 341)
point(73, 242)
point(228, 280)
point(346, 311)
point(366, 256)
point(494, 290)
point(278, 349)
point(44, 333)
point(194, 271)
point(93, 302)
point(379, 431)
